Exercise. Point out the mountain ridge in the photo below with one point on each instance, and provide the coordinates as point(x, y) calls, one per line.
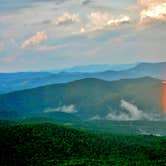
point(86, 98)
point(20, 81)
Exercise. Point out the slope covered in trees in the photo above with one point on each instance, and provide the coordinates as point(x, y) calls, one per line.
point(47, 144)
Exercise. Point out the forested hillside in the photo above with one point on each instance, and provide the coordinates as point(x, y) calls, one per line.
point(47, 145)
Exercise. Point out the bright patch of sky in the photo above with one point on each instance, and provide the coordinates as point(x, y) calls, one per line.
point(53, 34)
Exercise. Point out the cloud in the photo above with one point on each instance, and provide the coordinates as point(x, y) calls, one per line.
point(152, 10)
point(120, 117)
point(102, 20)
point(35, 40)
point(133, 113)
point(67, 19)
point(132, 109)
point(66, 109)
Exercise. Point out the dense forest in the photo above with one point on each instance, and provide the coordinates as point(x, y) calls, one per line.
point(48, 144)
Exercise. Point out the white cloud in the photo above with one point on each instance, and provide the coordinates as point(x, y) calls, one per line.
point(102, 20)
point(120, 117)
point(152, 10)
point(66, 19)
point(35, 40)
point(133, 113)
point(66, 109)
point(132, 109)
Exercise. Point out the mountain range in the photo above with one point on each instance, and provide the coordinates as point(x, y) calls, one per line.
point(97, 68)
point(90, 98)
point(27, 80)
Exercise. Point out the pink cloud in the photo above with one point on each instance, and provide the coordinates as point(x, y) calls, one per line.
point(35, 40)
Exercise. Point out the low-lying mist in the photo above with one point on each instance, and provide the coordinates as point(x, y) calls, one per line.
point(65, 109)
point(132, 112)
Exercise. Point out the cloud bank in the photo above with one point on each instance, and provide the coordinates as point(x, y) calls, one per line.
point(70, 109)
point(102, 20)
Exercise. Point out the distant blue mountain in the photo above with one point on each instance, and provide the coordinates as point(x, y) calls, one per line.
point(98, 68)
point(21, 80)
point(18, 81)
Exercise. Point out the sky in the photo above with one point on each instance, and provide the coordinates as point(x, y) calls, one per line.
point(56, 34)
